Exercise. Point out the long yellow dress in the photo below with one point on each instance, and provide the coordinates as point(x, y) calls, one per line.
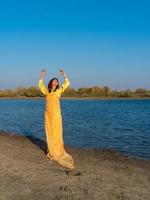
point(53, 125)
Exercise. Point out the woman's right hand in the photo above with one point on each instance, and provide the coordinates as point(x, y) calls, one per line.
point(43, 73)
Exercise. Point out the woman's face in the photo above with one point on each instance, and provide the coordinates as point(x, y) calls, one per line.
point(54, 84)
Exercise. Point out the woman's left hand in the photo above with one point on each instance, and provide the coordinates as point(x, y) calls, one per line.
point(62, 72)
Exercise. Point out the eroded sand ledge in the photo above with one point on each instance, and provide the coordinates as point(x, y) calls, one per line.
point(27, 174)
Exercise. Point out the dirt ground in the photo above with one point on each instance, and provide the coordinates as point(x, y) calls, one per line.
point(27, 174)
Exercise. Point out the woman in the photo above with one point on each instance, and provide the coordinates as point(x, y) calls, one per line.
point(53, 120)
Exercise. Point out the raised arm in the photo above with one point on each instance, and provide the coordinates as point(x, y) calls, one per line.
point(65, 84)
point(42, 86)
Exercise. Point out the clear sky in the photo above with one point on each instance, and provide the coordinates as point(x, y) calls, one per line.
point(97, 42)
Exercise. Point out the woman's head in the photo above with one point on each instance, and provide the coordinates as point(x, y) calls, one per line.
point(53, 84)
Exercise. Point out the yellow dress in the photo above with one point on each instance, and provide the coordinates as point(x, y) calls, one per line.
point(53, 125)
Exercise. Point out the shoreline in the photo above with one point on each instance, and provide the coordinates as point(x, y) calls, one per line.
point(26, 173)
point(40, 142)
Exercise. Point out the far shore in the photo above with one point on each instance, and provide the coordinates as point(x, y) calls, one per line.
point(80, 98)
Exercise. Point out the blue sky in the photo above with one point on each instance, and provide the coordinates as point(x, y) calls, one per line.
point(97, 42)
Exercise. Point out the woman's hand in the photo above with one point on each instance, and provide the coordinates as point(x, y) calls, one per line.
point(43, 74)
point(62, 72)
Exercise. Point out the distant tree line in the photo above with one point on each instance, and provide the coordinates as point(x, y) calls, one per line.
point(80, 92)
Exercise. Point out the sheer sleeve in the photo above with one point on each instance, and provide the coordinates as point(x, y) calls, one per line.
point(64, 86)
point(42, 87)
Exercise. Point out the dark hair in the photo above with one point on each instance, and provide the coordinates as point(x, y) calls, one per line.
point(50, 83)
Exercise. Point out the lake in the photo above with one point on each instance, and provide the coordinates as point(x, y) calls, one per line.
point(123, 125)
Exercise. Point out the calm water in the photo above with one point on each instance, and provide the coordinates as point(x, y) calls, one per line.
point(120, 124)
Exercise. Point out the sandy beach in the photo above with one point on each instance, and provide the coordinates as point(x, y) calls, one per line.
point(26, 173)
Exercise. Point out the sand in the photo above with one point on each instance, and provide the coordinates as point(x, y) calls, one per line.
point(27, 174)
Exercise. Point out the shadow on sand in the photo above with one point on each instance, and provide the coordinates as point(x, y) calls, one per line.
point(40, 143)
